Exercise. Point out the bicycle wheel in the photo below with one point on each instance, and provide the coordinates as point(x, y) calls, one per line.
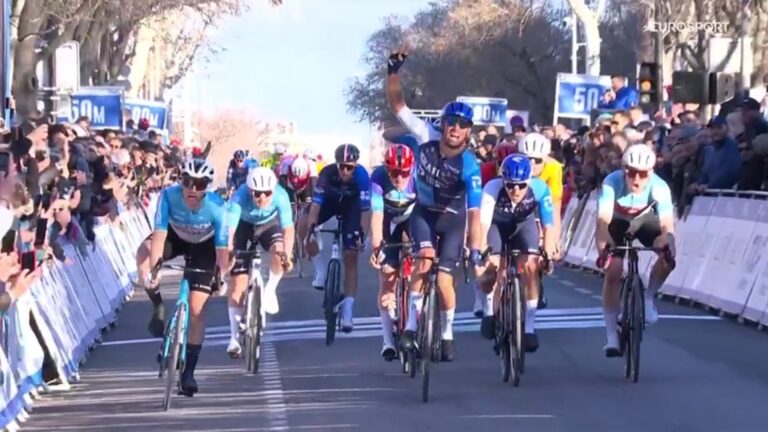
point(253, 330)
point(428, 317)
point(624, 326)
point(172, 361)
point(401, 312)
point(519, 325)
point(503, 335)
point(638, 324)
point(331, 299)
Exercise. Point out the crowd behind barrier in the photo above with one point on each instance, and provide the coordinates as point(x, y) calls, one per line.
point(722, 251)
point(47, 334)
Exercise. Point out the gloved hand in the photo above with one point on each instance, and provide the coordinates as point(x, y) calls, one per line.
point(395, 62)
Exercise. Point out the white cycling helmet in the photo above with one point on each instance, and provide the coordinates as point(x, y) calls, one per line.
point(198, 168)
point(261, 179)
point(310, 154)
point(639, 157)
point(300, 167)
point(535, 145)
point(280, 149)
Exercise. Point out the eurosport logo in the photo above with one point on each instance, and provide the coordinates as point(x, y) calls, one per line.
point(678, 26)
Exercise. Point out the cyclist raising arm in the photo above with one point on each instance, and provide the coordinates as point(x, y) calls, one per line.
point(626, 198)
point(343, 189)
point(191, 222)
point(261, 211)
point(508, 215)
point(449, 190)
point(392, 200)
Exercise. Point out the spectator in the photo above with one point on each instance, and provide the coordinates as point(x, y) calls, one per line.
point(619, 96)
point(754, 123)
point(619, 139)
point(735, 124)
point(753, 169)
point(721, 161)
point(636, 116)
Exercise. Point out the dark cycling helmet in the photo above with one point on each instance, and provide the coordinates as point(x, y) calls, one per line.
point(239, 155)
point(516, 168)
point(458, 109)
point(346, 153)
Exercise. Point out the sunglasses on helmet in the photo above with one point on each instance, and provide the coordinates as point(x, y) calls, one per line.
point(198, 184)
point(463, 123)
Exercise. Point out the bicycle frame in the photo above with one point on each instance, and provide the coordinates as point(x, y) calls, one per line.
point(181, 304)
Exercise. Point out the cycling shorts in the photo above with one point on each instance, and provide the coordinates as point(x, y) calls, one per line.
point(646, 229)
point(202, 256)
point(522, 236)
point(428, 228)
point(303, 196)
point(350, 213)
point(248, 235)
point(394, 233)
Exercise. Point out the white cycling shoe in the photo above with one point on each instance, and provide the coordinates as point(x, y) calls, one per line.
point(233, 349)
point(271, 305)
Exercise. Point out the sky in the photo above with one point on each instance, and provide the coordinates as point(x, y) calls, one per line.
point(293, 62)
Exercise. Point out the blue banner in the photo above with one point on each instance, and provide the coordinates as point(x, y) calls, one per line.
point(487, 111)
point(578, 95)
point(103, 106)
point(155, 112)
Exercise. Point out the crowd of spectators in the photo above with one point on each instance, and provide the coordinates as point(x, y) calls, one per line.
point(728, 151)
point(59, 181)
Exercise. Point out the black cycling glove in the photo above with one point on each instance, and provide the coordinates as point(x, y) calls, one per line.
point(395, 62)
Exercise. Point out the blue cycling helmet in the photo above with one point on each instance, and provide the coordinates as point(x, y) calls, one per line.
point(458, 109)
point(239, 155)
point(406, 139)
point(516, 168)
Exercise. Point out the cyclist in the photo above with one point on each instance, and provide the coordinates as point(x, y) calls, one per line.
point(489, 171)
point(191, 222)
point(238, 170)
point(392, 200)
point(343, 189)
point(508, 214)
point(315, 159)
point(261, 211)
point(273, 160)
point(626, 197)
point(449, 189)
point(298, 175)
point(537, 148)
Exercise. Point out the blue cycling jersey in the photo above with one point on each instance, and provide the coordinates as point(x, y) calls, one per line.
point(237, 175)
point(447, 184)
point(330, 187)
point(615, 198)
point(385, 197)
point(498, 208)
point(193, 226)
point(242, 207)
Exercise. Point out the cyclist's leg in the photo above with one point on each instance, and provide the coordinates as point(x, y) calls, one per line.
point(327, 210)
point(239, 282)
point(142, 262)
point(450, 229)
point(387, 281)
point(351, 236)
point(174, 247)
point(649, 234)
point(203, 257)
point(611, 292)
point(271, 238)
point(421, 227)
point(488, 282)
point(526, 239)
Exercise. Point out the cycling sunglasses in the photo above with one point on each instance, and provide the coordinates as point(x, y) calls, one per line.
point(198, 184)
point(347, 167)
point(399, 173)
point(258, 194)
point(513, 185)
point(451, 121)
point(632, 173)
point(536, 161)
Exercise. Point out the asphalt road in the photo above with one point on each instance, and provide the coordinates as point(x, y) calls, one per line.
point(699, 373)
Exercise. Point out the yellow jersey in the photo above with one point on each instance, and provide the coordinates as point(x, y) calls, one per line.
point(552, 175)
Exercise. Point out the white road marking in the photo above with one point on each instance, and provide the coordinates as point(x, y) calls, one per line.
point(276, 411)
point(583, 291)
point(567, 283)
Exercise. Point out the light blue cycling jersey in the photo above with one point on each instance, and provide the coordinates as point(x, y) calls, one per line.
point(210, 220)
point(615, 198)
point(242, 207)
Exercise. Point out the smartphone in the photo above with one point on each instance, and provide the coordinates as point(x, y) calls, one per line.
point(9, 242)
point(28, 260)
point(5, 161)
point(40, 230)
